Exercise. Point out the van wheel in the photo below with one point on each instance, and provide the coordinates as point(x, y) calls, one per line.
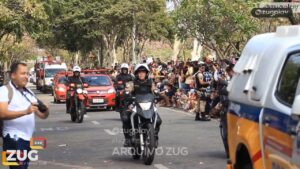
point(243, 160)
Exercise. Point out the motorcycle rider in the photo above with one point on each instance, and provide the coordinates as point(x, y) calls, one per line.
point(76, 79)
point(123, 77)
point(224, 102)
point(142, 84)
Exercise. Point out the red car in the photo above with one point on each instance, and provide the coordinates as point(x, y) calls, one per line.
point(59, 87)
point(101, 91)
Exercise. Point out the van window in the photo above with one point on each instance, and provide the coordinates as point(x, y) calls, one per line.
point(288, 81)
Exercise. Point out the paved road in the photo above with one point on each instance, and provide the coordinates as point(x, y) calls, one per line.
point(97, 142)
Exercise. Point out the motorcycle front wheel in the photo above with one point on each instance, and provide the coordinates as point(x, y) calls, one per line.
point(80, 112)
point(136, 152)
point(149, 148)
point(72, 114)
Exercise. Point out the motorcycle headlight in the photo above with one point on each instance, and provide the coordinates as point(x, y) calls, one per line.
point(111, 91)
point(79, 91)
point(145, 106)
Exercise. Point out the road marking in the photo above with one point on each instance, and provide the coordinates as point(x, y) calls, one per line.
point(46, 129)
point(62, 128)
point(95, 122)
point(40, 162)
point(86, 116)
point(160, 166)
point(111, 132)
point(54, 129)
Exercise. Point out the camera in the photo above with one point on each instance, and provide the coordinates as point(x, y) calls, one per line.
point(41, 106)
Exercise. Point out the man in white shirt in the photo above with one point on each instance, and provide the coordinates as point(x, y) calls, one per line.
point(18, 112)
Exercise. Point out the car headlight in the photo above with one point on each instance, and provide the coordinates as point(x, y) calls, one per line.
point(79, 91)
point(145, 106)
point(61, 89)
point(111, 91)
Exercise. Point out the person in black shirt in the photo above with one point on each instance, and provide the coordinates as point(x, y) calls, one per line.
point(75, 79)
point(141, 85)
point(120, 83)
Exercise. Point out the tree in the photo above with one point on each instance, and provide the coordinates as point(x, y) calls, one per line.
point(218, 24)
point(104, 25)
point(18, 18)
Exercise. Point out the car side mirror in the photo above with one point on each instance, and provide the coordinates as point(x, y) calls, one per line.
point(296, 106)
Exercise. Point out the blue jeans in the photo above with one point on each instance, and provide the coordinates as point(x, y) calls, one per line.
point(10, 143)
point(185, 87)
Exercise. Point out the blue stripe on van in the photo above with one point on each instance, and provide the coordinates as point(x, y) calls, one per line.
point(245, 111)
point(277, 120)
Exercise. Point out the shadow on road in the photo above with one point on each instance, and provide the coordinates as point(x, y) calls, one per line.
point(112, 119)
point(213, 154)
point(126, 159)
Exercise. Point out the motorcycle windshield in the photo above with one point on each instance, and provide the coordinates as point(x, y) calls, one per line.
point(145, 108)
point(145, 98)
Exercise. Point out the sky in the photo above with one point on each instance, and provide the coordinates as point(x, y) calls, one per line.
point(170, 6)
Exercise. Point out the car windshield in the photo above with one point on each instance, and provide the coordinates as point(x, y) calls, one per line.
point(97, 80)
point(62, 80)
point(52, 72)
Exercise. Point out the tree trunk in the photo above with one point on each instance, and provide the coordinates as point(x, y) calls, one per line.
point(140, 53)
point(176, 48)
point(177, 42)
point(77, 57)
point(102, 53)
point(110, 44)
point(115, 60)
point(197, 48)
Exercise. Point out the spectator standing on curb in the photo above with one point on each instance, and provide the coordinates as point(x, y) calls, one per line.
point(18, 107)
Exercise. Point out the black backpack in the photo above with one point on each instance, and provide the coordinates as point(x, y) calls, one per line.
point(10, 96)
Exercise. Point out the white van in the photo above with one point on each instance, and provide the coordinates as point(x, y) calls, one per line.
point(49, 72)
point(264, 113)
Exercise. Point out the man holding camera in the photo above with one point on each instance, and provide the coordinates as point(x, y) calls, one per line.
point(18, 107)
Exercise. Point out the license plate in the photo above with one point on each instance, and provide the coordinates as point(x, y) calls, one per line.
point(98, 100)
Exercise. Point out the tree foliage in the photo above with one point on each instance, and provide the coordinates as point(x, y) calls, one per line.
point(104, 24)
point(19, 18)
point(220, 25)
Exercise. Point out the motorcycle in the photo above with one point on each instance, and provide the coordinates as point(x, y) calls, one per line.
point(223, 116)
point(143, 123)
point(77, 104)
point(120, 89)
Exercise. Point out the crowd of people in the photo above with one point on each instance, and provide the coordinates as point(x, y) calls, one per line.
point(195, 86)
